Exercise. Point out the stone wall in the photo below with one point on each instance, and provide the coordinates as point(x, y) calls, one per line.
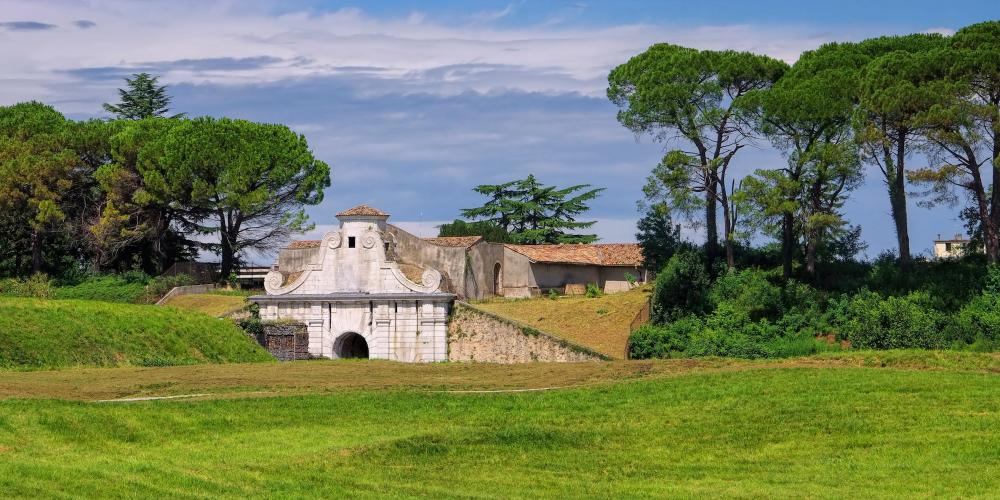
point(477, 335)
point(286, 341)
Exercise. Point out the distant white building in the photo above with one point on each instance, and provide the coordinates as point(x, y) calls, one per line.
point(356, 301)
point(950, 248)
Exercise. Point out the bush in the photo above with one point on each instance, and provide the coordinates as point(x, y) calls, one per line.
point(107, 288)
point(978, 323)
point(681, 289)
point(38, 286)
point(748, 291)
point(593, 291)
point(160, 285)
point(874, 322)
point(660, 341)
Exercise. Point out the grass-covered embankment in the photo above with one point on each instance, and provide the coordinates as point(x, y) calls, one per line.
point(39, 333)
point(600, 323)
point(212, 304)
point(815, 427)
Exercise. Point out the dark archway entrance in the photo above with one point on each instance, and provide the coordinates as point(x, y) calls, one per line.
point(351, 345)
point(497, 280)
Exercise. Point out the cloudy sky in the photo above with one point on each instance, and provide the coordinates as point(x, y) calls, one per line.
point(415, 102)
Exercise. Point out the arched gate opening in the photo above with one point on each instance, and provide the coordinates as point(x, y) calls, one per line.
point(351, 345)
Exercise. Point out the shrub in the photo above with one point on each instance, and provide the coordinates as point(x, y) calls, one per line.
point(38, 286)
point(159, 286)
point(874, 322)
point(660, 341)
point(748, 291)
point(631, 280)
point(681, 289)
point(979, 322)
point(593, 291)
point(107, 288)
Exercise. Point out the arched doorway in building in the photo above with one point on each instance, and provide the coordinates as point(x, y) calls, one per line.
point(350, 345)
point(497, 280)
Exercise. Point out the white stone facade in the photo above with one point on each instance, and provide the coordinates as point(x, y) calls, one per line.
point(353, 291)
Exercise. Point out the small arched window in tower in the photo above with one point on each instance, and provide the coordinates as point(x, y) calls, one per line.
point(497, 280)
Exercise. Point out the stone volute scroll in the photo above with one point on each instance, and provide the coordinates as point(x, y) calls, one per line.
point(274, 281)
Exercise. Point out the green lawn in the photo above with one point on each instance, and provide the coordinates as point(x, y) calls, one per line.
point(817, 427)
point(41, 333)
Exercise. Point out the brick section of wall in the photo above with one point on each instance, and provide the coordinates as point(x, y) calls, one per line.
point(285, 341)
point(476, 335)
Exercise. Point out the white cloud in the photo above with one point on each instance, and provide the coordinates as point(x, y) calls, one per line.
point(420, 54)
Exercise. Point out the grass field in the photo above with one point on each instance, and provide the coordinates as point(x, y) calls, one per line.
point(600, 323)
point(39, 333)
point(212, 304)
point(829, 426)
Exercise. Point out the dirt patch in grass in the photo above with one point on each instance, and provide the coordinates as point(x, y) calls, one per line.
point(209, 303)
point(599, 323)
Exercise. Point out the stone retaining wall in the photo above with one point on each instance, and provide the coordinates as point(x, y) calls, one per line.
point(477, 335)
point(286, 341)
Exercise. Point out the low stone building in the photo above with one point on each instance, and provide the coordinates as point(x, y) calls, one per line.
point(473, 268)
point(355, 299)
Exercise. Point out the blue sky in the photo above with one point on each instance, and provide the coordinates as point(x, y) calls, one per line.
point(414, 103)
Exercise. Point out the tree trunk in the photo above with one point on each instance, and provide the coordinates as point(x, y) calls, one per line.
point(36, 251)
point(711, 227)
point(226, 248)
point(994, 215)
point(787, 243)
point(897, 200)
point(990, 239)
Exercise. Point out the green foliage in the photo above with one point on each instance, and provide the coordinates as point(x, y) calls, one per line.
point(487, 229)
point(697, 99)
point(978, 323)
point(630, 279)
point(532, 213)
point(876, 322)
point(142, 98)
point(553, 294)
point(682, 289)
point(663, 341)
point(108, 288)
point(593, 291)
point(161, 285)
point(37, 286)
point(37, 333)
point(658, 237)
point(246, 182)
point(750, 292)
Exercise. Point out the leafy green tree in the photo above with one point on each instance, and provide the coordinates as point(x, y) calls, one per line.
point(487, 229)
point(36, 171)
point(806, 115)
point(693, 99)
point(245, 182)
point(893, 95)
point(140, 224)
point(142, 98)
point(531, 213)
point(658, 237)
point(963, 128)
point(682, 289)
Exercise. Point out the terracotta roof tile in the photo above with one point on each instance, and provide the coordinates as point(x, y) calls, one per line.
point(454, 241)
point(304, 244)
point(600, 254)
point(364, 210)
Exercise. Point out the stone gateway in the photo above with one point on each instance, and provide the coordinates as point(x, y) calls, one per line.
point(357, 301)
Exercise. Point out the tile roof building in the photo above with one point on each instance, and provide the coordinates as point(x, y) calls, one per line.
point(474, 268)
